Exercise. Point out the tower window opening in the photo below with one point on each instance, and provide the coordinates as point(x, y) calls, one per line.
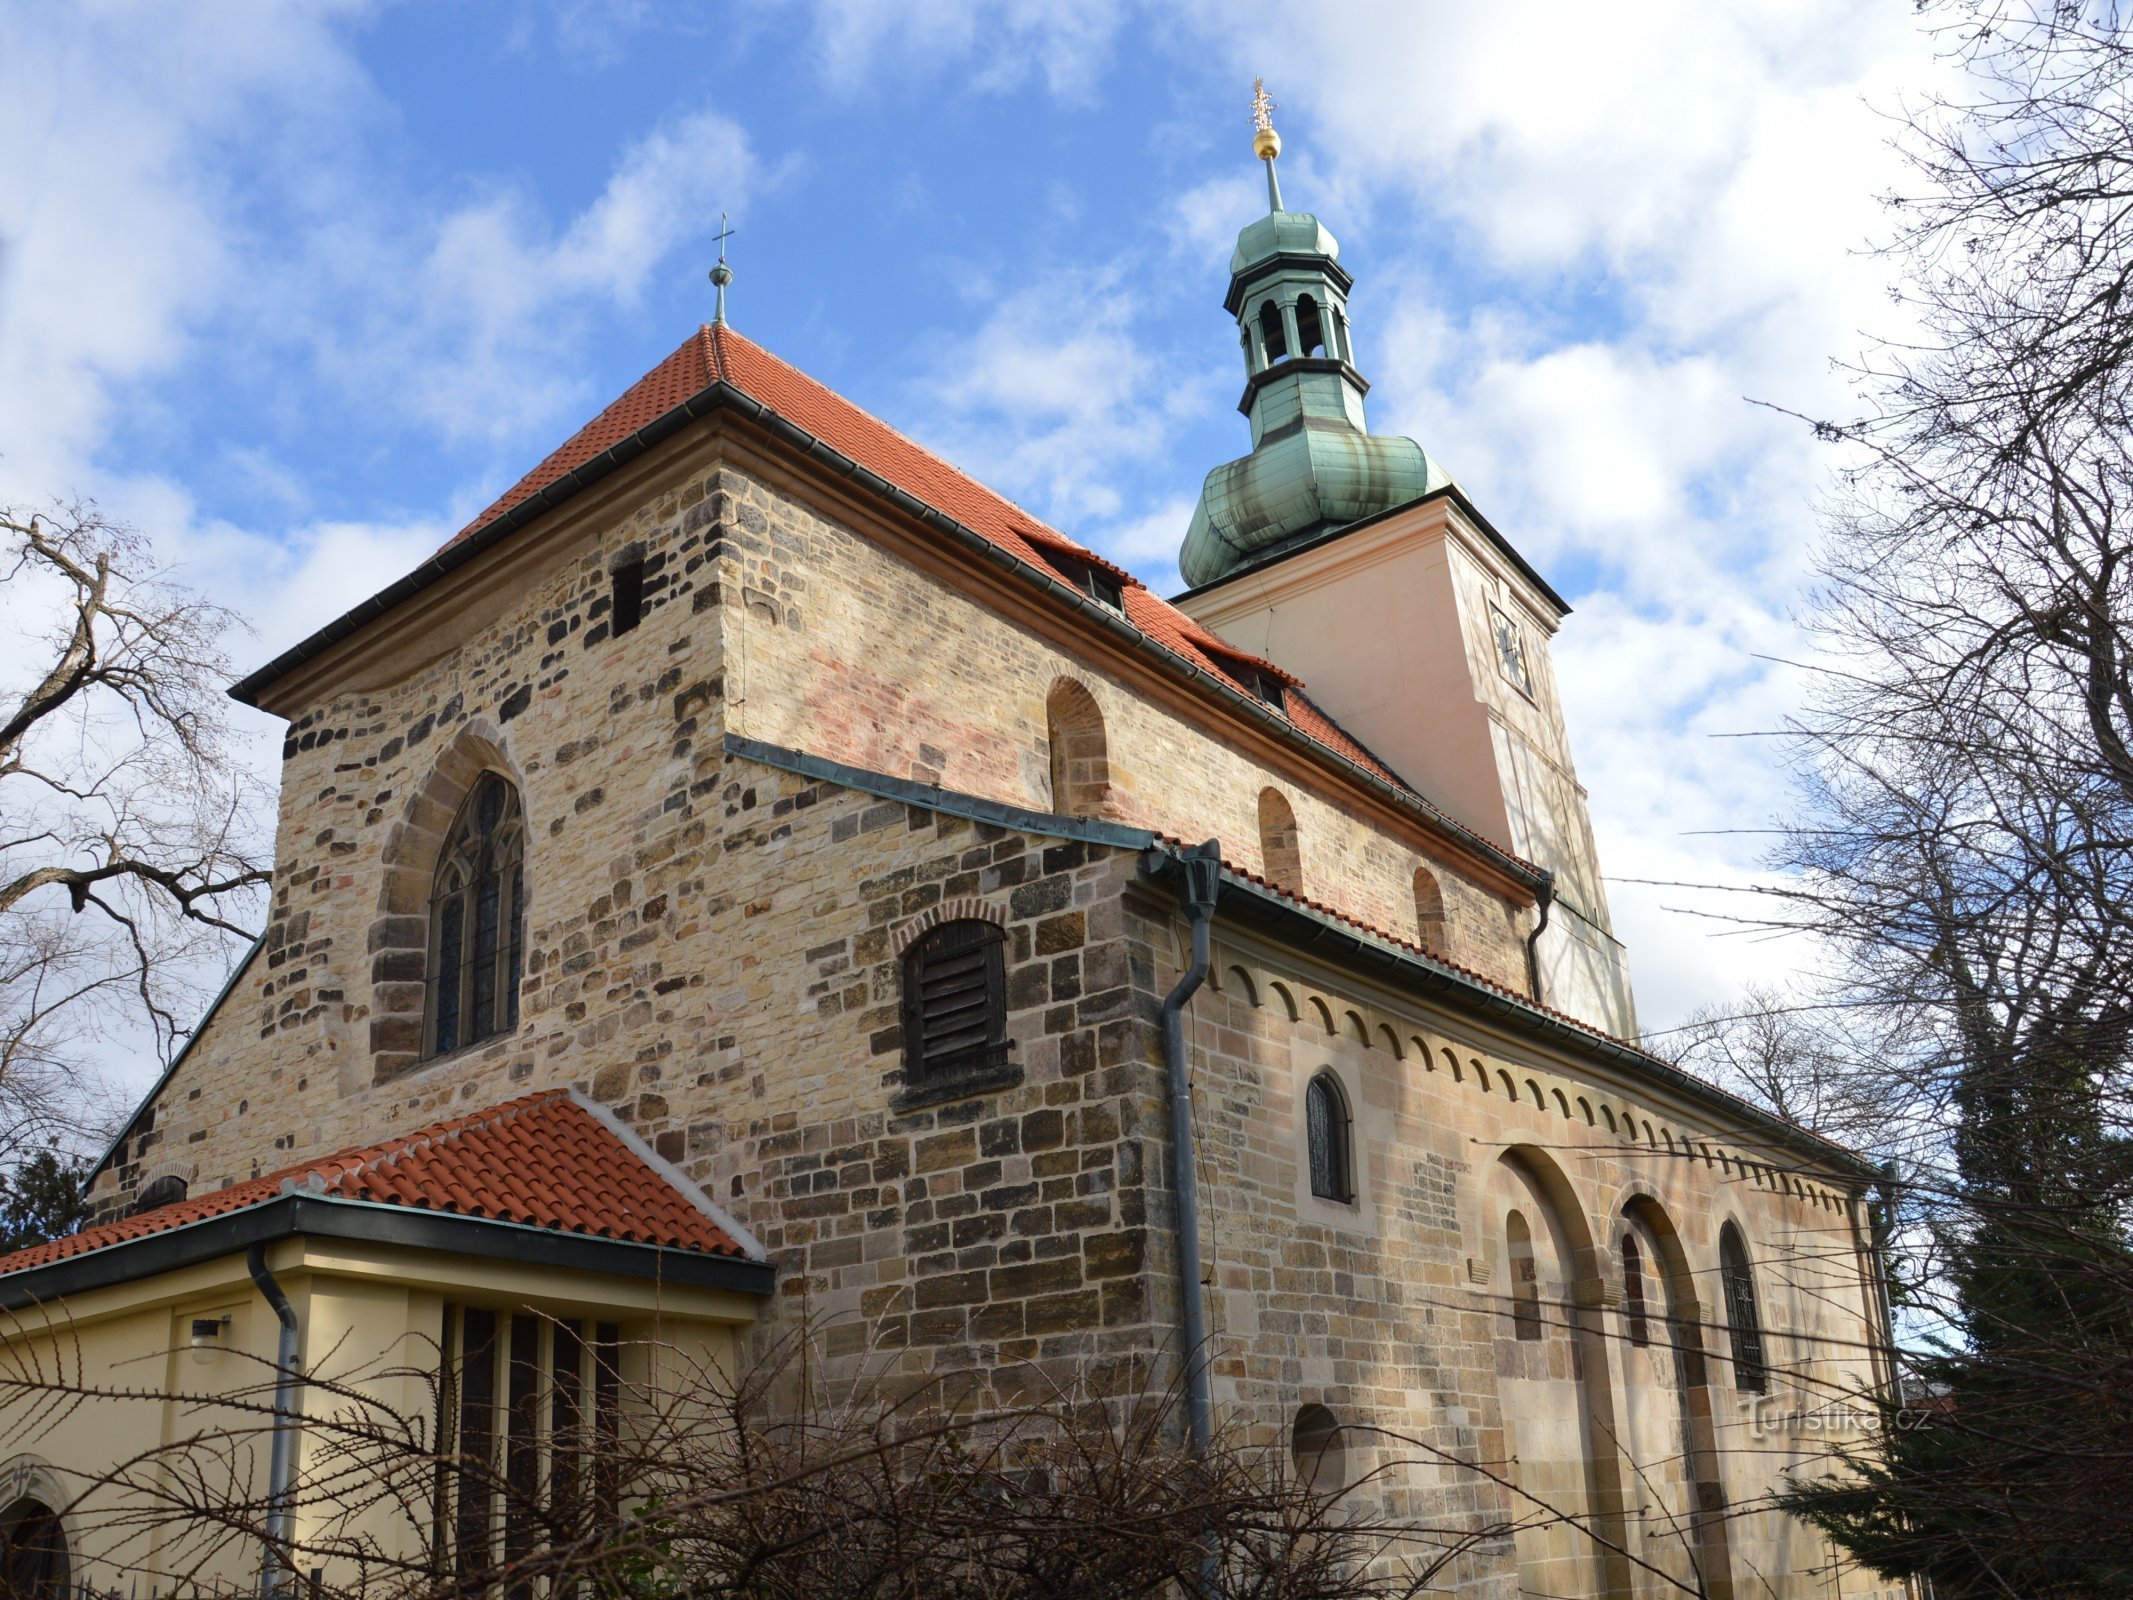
point(628, 596)
point(1272, 334)
point(1310, 328)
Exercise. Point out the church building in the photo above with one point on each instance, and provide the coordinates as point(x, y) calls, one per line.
point(755, 874)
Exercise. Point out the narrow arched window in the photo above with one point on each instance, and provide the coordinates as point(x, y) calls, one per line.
point(1310, 329)
point(1525, 1277)
point(1318, 1451)
point(1280, 844)
point(34, 1561)
point(955, 1002)
point(1080, 753)
point(1737, 1279)
point(1271, 333)
point(1329, 1135)
point(1429, 912)
point(1640, 1329)
point(1338, 345)
point(476, 919)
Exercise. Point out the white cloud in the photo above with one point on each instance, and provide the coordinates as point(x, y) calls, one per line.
point(992, 46)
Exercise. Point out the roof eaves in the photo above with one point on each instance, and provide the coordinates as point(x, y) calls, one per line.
point(932, 797)
point(1318, 929)
point(369, 1222)
point(489, 534)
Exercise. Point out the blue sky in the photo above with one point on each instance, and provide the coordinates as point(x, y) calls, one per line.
point(298, 289)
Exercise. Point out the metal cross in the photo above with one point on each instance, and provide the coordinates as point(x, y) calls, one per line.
point(721, 275)
point(1262, 105)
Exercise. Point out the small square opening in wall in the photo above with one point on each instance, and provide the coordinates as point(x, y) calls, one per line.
point(628, 596)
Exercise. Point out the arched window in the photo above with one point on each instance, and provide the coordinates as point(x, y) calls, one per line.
point(1429, 912)
point(955, 1002)
point(1329, 1135)
point(1640, 1330)
point(34, 1563)
point(1738, 1281)
point(1318, 1451)
point(1310, 331)
point(1338, 344)
point(1081, 759)
point(476, 917)
point(1525, 1277)
point(1271, 333)
point(1280, 846)
point(165, 1191)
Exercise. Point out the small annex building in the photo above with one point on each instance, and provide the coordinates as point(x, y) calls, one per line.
point(749, 873)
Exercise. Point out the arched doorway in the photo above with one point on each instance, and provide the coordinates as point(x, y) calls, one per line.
point(34, 1564)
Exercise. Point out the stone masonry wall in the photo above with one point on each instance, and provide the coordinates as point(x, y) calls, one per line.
point(846, 650)
point(1394, 1311)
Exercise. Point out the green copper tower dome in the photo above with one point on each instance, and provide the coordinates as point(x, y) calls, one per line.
point(1314, 464)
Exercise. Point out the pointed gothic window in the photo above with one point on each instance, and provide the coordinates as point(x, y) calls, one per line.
point(1271, 334)
point(1329, 1134)
point(1310, 330)
point(955, 1002)
point(1737, 1279)
point(476, 906)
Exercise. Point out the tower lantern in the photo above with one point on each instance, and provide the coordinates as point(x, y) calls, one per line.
point(1314, 464)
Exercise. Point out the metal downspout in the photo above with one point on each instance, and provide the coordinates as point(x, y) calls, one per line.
point(1198, 885)
point(1544, 897)
point(276, 1564)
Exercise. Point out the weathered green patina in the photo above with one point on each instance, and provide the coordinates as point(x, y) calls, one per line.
point(1314, 464)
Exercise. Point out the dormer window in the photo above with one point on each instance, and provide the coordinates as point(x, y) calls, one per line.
point(1105, 588)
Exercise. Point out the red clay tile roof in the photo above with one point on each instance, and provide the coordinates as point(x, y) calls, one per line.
point(718, 354)
point(544, 1161)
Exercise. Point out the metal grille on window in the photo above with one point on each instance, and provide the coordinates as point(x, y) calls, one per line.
point(1749, 1370)
point(477, 921)
point(529, 1430)
point(955, 1002)
point(1327, 1131)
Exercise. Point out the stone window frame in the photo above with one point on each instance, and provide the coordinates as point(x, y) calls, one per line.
point(1747, 1340)
point(1312, 1053)
point(399, 938)
point(1002, 1071)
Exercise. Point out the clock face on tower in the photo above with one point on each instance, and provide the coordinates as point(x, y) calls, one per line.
point(1510, 651)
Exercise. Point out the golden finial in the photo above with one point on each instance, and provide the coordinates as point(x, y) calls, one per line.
point(1266, 143)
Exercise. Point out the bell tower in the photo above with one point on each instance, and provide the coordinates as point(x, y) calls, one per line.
point(1353, 560)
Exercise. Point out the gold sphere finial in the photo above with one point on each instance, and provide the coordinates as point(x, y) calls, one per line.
point(1266, 143)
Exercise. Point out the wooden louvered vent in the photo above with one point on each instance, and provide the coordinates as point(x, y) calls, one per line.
point(955, 1010)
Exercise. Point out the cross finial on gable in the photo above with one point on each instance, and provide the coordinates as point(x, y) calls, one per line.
point(721, 274)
